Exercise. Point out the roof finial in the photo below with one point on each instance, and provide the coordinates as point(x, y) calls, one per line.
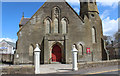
point(23, 14)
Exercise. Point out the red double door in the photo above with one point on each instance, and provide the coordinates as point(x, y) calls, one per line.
point(56, 54)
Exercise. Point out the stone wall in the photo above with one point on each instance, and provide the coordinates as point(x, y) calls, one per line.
point(29, 69)
point(18, 69)
point(98, 64)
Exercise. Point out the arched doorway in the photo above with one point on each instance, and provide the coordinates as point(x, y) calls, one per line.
point(56, 53)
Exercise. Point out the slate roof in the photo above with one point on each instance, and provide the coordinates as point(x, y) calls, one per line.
point(108, 46)
point(117, 45)
point(10, 43)
point(24, 21)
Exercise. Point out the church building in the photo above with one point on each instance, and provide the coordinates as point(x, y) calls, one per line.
point(56, 27)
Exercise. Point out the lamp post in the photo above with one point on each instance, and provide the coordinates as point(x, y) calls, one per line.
point(74, 54)
point(37, 59)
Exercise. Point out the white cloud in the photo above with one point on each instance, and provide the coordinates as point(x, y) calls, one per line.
point(110, 26)
point(111, 4)
point(104, 14)
point(8, 39)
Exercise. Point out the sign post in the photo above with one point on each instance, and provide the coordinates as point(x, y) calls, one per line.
point(74, 54)
point(37, 59)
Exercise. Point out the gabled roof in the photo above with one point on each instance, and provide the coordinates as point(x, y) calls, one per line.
point(10, 43)
point(24, 21)
point(44, 4)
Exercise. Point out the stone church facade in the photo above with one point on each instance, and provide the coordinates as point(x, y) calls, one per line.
point(56, 27)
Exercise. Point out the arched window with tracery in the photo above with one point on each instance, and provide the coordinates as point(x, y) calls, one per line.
point(56, 12)
point(93, 35)
point(55, 18)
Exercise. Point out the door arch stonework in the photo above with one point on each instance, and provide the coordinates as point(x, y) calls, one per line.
point(59, 45)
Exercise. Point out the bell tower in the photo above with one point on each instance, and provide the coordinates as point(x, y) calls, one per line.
point(93, 23)
point(88, 7)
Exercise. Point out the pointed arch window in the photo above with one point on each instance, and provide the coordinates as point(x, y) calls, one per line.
point(64, 25)
point(93, 35)
point(56, 18)
point(31, 50)
point(56, 12)
point(80, 49)
point(47, 25)
point(56, 25)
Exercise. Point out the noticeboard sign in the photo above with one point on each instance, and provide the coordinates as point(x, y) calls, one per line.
point(88, 51)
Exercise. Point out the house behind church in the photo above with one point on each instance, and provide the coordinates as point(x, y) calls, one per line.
point(7, 50)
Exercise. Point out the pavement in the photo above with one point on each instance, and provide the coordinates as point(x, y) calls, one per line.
point(55, 68)
point(67, 69)
point(46, 68)
point(96, 70)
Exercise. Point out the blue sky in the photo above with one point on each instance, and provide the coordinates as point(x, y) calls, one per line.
point(12, 13)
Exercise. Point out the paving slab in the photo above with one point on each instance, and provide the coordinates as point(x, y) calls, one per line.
point(53, 68)
point(45, 68)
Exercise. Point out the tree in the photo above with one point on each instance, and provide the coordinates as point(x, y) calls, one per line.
point(107, 39)
point(117, 36)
